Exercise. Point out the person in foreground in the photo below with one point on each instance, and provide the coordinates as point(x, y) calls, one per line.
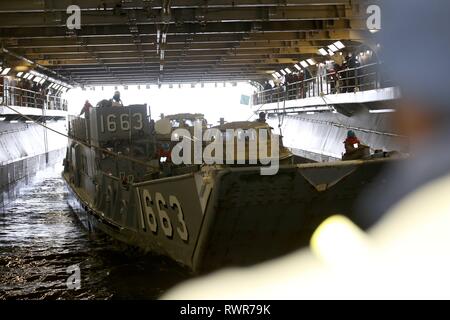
point(405, 253)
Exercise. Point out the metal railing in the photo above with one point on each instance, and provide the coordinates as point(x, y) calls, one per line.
point(15, 96)
point(368, 77)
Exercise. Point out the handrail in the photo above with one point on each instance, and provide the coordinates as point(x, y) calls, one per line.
point(15, 96)
point(367, 77)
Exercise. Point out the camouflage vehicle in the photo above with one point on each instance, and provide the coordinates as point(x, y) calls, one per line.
point(202, 216)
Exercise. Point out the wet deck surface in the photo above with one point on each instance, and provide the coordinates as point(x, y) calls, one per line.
point(40, 238)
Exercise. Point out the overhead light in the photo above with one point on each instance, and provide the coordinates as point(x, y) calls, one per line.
point(42, 81)
point(331, 53)
point(323, 52)
point(278, 74)
point(382, 111)
point(37, 79)
point(288, 71)
point(311, 62)
point(374, 30)
point(333, 48)
point(14, 121)
point(298, 67)
point(2, 118)
point(304, 64)
point(6, 71)
point(339, 45)
point(275, 76)
point(19, 74)
point(283, 72)
point(368, 52)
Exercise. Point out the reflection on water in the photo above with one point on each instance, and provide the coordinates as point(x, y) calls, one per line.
point(40, 238)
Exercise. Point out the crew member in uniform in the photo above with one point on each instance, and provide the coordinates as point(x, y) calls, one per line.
point(116, 101)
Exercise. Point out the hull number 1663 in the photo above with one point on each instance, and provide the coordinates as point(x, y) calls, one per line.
point(155, 215)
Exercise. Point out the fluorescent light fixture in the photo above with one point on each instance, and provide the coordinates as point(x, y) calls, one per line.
point(339, 45)
point(14, 121)
point(19, 74)
point(2, 118)
point(304, 64)
point(331, 53)
point(37, 79)
point(323, 52)
point(298, 67)
point(278, 74)
point(6, 71)
point(288, 71)
point(29, 121)
point(311, 62)
point(275, 76)
point(333, 48)
point(382, 111)
point(283, 72)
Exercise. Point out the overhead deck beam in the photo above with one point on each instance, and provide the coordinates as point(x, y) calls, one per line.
point(210, 40)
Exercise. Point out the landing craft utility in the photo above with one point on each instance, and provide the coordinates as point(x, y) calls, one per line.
point(123, 181)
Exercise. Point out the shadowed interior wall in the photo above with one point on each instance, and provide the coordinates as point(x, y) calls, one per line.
point(323, 133)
